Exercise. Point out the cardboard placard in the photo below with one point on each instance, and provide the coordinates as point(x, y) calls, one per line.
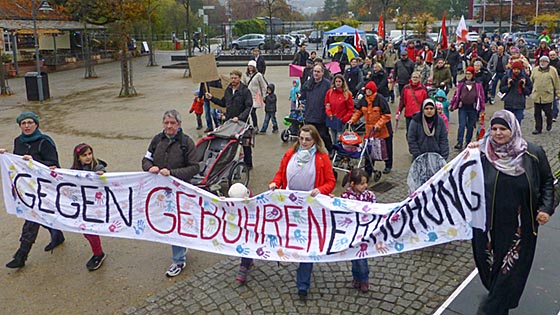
point(203, 68)
point(219, 92)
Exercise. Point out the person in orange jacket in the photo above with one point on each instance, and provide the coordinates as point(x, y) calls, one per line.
point(198, 108)
point(377, 114)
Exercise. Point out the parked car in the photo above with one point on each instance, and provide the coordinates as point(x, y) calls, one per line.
point(316, 36)
point(287, 40)
point(531, 38)
point(472, 36)
point(372, 40)
point(414, 37)
point(248, 41)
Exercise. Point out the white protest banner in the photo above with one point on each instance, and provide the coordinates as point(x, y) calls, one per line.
point(281, 225)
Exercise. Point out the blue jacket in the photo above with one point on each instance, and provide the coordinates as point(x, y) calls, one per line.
point(313, 93)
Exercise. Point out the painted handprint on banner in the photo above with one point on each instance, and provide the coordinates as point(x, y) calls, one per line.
point(211, 226)
point(273, 213)
point(432, 237)
point(261, 199)
point(99, 198)
point(279, 197)
point(297, 217)
point(345, 222)
point(189, 223)
point(314, 256)
point(295, 199)
point(56, 176)
point(242, 250)
point(139, 227)
point(381, 248)
point(339, 202)
point(272, 241)
point(341, 243)
point(398, 246)
point(217, 245)
point(362, 252)
point(282, 255)
point(261, 252)
point(299, 237)
point(115, 226)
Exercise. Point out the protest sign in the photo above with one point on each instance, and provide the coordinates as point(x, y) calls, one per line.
point(276, 225)
point(203, 68)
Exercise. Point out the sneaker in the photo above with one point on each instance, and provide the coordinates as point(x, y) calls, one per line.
point(302, 294)
point(95, 262)
point(492, 101)
point(553, 119)
point(536, 132)
point(175, 269)
point(242, 274)
point(262, 132)
point(458, 146)
point(355, 283)
point(274, 130)
point(386, 170)
point(207, 129)
point(548, 128)
point(199, 127)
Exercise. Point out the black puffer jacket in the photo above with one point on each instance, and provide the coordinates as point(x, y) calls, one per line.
point(380, 79)
point(540, 180)
point(420, 143)
point(270, 100)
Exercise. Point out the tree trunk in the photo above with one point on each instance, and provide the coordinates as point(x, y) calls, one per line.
point(4, 88)
point(89, 69)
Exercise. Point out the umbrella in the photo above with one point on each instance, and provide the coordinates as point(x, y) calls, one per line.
point(296, 71)
point(348, 49)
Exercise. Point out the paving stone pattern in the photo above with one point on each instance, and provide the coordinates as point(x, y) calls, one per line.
point(416, 282)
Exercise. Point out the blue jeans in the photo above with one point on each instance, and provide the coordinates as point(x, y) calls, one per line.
point(518, 113)
point(267, 117)
point(360, 269)
point(467, 119)
point(555, 106)
point(179, 254)
point(497, 79)
point(210, 115)
point(303, 280)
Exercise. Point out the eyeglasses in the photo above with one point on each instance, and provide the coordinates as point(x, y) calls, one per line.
point(305, 139)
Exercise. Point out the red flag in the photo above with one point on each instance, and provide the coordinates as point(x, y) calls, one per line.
point(381, 28)
point(443, 33)
point(357, 42)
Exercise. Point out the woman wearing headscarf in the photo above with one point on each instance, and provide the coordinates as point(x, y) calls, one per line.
point(32, 144)
point(254, 80)
point(427, 132)
point(305, 167)
point(519, 196)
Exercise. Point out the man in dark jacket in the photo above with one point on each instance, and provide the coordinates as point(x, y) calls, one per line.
point(172, 152)
point(341, 58)
point(453, 59)
point(238, 103)
point(554, 62)
point(516, 86)
point(32, 144)
point(261, 62)
point(300, 58)
point(313, 94)
point(403, 70)
point(482, 75)
point(270, 110)
point(354, 77)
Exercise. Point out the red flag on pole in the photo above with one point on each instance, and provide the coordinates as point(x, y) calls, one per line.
point(357, 42)
point(443, 33)
point(381, 28)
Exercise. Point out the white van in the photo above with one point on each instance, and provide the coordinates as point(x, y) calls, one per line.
point(394, 34)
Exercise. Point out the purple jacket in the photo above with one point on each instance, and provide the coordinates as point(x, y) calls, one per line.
point(480, 105)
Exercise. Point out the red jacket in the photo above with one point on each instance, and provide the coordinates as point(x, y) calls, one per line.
point(412, 99)
point(338, 105)
point(412, 53)
point(197, 106)
point(324, 176)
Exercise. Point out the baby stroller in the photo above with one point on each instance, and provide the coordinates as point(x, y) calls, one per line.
point(220, 154)
point(294, 122)
point(351, 152)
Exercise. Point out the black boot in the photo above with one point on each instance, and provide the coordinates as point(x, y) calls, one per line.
point(20, 256)
point(57, 238)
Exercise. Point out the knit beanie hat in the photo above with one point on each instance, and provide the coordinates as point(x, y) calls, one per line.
point(26, 115)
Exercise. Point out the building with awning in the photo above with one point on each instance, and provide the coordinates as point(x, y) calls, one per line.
point(59, 36)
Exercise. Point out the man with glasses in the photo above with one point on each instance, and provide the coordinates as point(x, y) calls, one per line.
point(33, 145)
point(313, 94)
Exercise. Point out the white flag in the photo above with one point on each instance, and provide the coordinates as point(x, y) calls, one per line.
point(462, 30)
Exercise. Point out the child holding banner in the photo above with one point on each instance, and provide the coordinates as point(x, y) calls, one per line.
point(357, 190)
point(85, 161)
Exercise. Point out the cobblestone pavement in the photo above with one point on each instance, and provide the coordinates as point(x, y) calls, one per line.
point(416, 282)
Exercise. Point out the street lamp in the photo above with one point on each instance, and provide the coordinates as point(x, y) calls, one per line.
point(536, 15)
point(510, 16)
point(44, 7)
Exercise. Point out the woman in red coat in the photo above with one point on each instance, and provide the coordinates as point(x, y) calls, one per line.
point(305, 167)
point(339, 106)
